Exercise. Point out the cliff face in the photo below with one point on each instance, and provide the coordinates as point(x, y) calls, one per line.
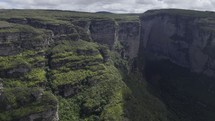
point(186, 40)
point(178, 46)
point(103, 31)
point(129, 37)
point(16, 38)
point(70, 56)
point(93, 65)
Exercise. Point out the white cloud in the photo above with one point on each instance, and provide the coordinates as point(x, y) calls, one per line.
point(126, 6)
point(4, 5)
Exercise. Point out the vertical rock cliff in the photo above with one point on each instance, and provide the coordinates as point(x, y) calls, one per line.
point(177, 46)
point(129, 37)
point(63, 65)
point(71, 57)
point(186, 38)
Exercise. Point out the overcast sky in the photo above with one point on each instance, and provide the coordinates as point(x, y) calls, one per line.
point(117, 6)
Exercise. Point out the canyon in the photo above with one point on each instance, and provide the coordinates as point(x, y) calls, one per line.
point(71, 66)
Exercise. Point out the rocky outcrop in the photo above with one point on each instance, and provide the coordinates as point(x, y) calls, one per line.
point(50, 115)
point(83, 28)
point(24, 104)
point(16, 72)
point(18, 20)
point(186, 40)
point(57, 28)
point(14, 41)
point(71, 90)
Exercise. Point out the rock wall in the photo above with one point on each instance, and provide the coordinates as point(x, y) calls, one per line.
point(109, 32)
point(177, 47)
point(129, 36)
point(103, 31)
point(185, 40)
point(15, 40)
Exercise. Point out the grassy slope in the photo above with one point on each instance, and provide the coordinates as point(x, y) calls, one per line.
point(58, 16)
point(180, 12)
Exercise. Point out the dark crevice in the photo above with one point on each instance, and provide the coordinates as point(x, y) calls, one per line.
point(183, 92)
point(47, 69)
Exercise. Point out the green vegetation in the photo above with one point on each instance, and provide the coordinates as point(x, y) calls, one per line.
point(114, 111)
point(28, 58)
point(77, 54)
point(96, 102)
point(69, 109)
point(11, 62)
point(142, 104)
point(70, 77)
point(57, 16)
point(35, 75)
point(139, 101)
point(81, 58)
point(28, 61)
point(33, 78)
point(22, 103)
point(90, 81)
point(180, 12)
point(4, 24)
point(66, 46)
point(22, 28)
point(100, 96)
point(51, 21)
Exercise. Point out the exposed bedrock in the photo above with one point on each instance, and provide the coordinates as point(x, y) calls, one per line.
point(178, 49)
point(184, 40)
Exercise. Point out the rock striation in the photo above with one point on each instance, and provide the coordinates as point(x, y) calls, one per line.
point(69, 55)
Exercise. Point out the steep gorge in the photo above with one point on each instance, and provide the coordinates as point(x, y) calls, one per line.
point(70, 58)
point(69, 66)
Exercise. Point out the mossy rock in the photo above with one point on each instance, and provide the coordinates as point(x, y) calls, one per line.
point(17, 103)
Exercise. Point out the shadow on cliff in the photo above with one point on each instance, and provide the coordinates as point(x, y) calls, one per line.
point(186, 95)
point(140, 102)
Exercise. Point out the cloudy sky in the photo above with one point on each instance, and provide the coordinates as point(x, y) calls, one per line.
point(117, 6)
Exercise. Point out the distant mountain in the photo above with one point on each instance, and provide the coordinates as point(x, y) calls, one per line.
point(104, 12)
